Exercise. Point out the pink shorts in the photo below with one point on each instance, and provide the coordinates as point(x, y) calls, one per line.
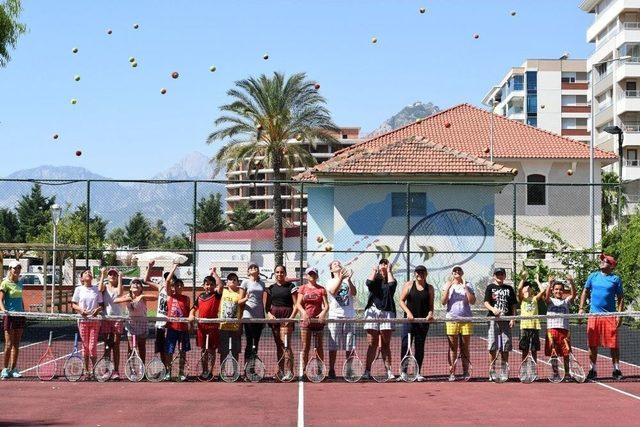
point(89, 335)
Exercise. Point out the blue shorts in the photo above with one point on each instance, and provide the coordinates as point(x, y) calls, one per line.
point(172, 339)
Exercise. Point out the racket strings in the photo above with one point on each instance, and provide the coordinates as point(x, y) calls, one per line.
point(315, 370)
point(229, 370)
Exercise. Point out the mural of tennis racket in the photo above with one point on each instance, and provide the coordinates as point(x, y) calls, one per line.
point(435, 237)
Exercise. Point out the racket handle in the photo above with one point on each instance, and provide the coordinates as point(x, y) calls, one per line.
point(206, 343)
point(134, 340)
point(50, 337)
point(286, 337)
point(75, 340)
point(229, 343)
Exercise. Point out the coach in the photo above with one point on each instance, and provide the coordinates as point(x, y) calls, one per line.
point(605, 292)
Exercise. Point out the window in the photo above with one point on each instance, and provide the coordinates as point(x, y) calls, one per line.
point(532, 81)
point(536, 190)
point(345, 136)
point(532, 121)
point(417, 207)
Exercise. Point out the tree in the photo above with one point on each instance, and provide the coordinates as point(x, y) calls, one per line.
point(138, 231)
point(9, 226)
point(34, 214)
point(209, 215)
point(265, 114)
point(624, 244)
point(609, 204)
point(117, 237)
point(243, 219)
point(158, 236)
point(10, 28)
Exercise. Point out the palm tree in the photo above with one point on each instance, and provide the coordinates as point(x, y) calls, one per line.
point(609, 203)
point(264, 116)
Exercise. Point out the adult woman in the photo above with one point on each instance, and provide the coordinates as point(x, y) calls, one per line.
point(11, 300)
point(254, 289)
point(136, 303)
point(87, 301)
point(340, 293)
point(380, 306)
point(112, 329)
point(281, 305)
point(312, 304)
point(458, 295)
point(416, 301)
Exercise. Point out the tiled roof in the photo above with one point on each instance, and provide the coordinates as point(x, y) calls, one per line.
point(263, 234)
point(414, 155)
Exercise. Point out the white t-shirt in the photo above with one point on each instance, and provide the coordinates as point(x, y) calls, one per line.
point(341, 304)
point(161, 311)
point(557, 306)
point(112, 308)
point(87, 298)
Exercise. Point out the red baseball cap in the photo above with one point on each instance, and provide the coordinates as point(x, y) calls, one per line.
point(609, 259)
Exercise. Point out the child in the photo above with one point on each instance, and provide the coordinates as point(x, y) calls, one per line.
point(11, 300)
point(87, 301)
point(254, 308)
point(529, 328)
point(558, 329)
point(178, 332)
point(312, 303)
point(111, 330)
point(233, 296)
point(136, 303)
point(207, 306)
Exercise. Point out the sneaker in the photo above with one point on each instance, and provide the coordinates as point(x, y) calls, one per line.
point(420, 378)
point(16, 374)
point(452, 378)
point(466, 376)
point(182, 378)
point(617, 374)
point(287, 377)
point(115, 376)
point(332, 374)
point(592, 375)
point(390, 375)
point(167, 377)
point(366, 376)
point(402, 377)
point(6, 374)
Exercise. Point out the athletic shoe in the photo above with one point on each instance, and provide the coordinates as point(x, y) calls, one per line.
point(466, 376)
point(420, 378)
point(167, 377)
point(332, 374)
point(287, 377)
point(367, 376)
point(402, 377)
point(115, 376)
point(452, 378)
point(592, 375)
point(390, 375)
point(16, 374)
point(182, 378)
point(617, 374)
point(6, 374)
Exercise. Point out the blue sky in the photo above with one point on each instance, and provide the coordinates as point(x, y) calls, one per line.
point(127, 129)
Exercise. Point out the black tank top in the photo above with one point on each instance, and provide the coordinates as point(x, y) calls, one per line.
point(418, 301)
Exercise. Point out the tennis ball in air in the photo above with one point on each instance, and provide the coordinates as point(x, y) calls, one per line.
point(265, 56)
point(74, 50)
point(78, 153)
point(56, 136)
point(212, 68)
point(423, 10)
point(134, 64)
point(109, 32)
point(513, 13)
point(447, 125)
point(319, 239)
point(132, 59)
point(175, 75)
point(163, 91)
point(74, 101)
point(328, 248)
point(374, 40)
point(476, 36)
point(569, 172)
point(136, 26)
point(317, 86)
point(76, 78)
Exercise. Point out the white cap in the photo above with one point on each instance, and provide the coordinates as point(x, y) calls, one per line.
point(14, 264)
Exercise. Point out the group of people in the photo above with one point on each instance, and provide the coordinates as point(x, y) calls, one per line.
point(314, 303)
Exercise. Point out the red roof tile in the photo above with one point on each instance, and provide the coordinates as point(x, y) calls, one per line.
point(263, 234)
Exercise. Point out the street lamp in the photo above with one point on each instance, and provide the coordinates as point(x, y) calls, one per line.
point(56, 210)
point(615, 130)
point(592, 143)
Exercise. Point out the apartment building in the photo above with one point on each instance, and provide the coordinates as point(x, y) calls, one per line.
point(615, 33)
point(259, 195)
point(550, 94)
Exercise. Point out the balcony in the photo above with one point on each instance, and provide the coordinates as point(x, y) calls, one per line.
point(575, 85)
point(603, 82)
point(628, 69)
point(576, 109)
point(575, 132)
point(604, 115)
point(628, 103)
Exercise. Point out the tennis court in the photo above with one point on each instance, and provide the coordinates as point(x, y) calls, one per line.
point(437, 401)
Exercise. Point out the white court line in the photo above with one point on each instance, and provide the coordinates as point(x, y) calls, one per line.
point(56, 359)
point(301, 395)
point(36, 343)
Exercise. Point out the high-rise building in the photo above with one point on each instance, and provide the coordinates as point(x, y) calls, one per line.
point(259, 193)
point(615, 32)
point(550, 94)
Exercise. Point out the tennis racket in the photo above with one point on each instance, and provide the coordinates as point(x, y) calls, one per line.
point(74, 366)
point(499, 368)
point(285, 364)
point(134, 368)
point(353, 369)
point(315, 369)
point(155, 370)
point(179, 365)
point(207, 361)
point(462, 367)
point(254, 368)
point(528, 368)
point(555, 369)
point(229, 368)
point(104, 368)
point(47, 366)
point(575, 369)
point(379, 367)
point(409, 364)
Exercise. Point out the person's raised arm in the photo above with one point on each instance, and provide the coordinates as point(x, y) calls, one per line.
point(333, 285)
point(390, 277)
point(172, 275)
point(101, 285)
point(352, 288)
point(547, 292)
point(470, 293)
point(216, 277)
point(444, 300)
point(147, 277)
point(572, 285)
point(119, 287)
point(123, 299)
point(403, 298)
point(520, 289)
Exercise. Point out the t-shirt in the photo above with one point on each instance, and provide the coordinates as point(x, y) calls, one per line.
point(282, 295)
point(161, 311)
point(208, 306)
point(137, 308)
point(111, 308)
point(381, 294)
point(254, 307)
point(312, 297)
point(341, 303)
point(557, 306)
point(604, 288)
point(529, 307)
point(457, 304)
point(230, 309)
point(502, 297)
point(178, 306)
point(88, 298)
point(12, 295)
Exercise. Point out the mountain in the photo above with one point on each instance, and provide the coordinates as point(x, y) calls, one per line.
point(116, 202)
point(408, 114)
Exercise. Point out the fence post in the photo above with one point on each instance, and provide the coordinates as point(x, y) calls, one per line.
point(408, 210)
point(87, 220)
point(302, 254)
point(514, 226)
point(193, 238)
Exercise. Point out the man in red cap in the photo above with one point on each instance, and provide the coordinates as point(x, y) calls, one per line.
point(604, 289)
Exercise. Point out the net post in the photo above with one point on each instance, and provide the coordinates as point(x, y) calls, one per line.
point(88, 221)
point(193, 239)
point(408, 211)
point(514, 226)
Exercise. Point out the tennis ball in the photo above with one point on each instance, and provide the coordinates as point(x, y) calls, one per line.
point(447, 125)
point(132, 59)
point(328, 248)
point(569, 172)
point(423, 10)
point(299, 137)
point(259, 127)
point(78, 153)
point(487, 150)
point(134, 64)
point(476, 36)
point(319, 239)
point(74, 50)
point(163, 91)
point(513, 13)
point(136, 26)
point(265, 56)
point(76, 78)
point(374, 40)
point(212, 68)
point(542, 107)
point(74, 101)
point(109, 32)
point(175, 75)
point(317, 86)
point(56, 136)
